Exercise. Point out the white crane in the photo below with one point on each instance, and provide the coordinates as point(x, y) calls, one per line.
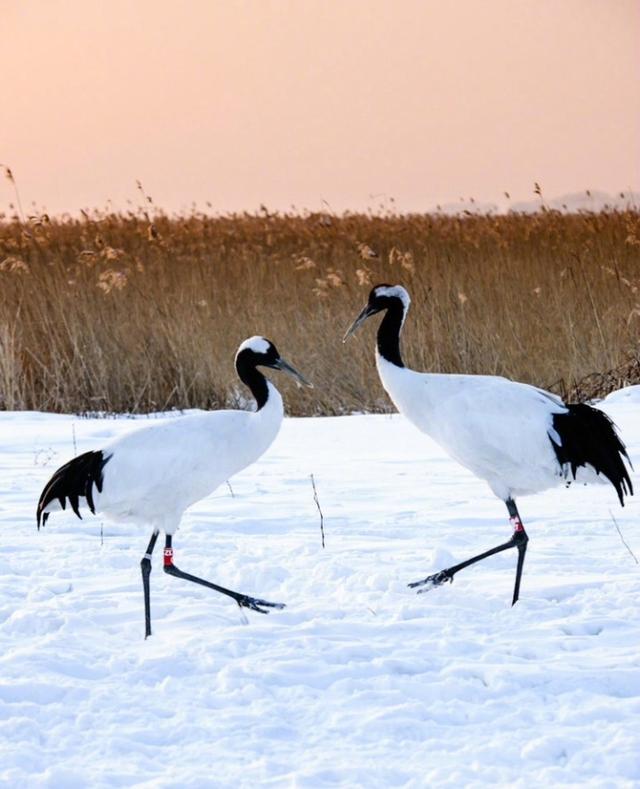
point(516, 437)
point(153, 474)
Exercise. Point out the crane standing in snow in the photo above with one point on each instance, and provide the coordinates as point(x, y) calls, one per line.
point(518, 438)
point(152, 475)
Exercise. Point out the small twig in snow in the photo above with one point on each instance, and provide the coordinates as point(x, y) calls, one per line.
point(315, 498)
point(233, 495)
point(624, 542)
point(75, 445)
point(101, 535)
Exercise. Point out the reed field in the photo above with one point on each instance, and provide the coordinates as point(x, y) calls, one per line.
point(141, 311)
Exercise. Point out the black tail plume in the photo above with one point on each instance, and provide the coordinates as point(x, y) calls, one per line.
point(72, 481)
point(589, 437)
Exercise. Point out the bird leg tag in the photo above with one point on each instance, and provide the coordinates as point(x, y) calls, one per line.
point(515, 521)
point(168, 557)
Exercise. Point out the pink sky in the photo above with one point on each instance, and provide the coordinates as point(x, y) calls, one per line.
point(287, 102)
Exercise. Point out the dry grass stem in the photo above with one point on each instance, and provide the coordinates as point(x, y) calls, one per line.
point(143, 311)
point(317, 501)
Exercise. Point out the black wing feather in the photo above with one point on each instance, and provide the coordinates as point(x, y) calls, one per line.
point(589, 437)
point(72, 481)
point(88, 494)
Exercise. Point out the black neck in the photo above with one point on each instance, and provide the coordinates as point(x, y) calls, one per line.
point(389, 333)
point(254, 379)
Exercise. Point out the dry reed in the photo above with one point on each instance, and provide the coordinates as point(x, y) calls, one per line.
point(143, 312)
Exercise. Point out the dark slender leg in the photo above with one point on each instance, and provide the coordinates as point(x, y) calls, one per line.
point(518, 540)
point(145, 566)
point(521, 540)
point(243, 600)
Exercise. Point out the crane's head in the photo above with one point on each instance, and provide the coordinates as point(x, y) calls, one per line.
point(382, 297)
point(260, 352)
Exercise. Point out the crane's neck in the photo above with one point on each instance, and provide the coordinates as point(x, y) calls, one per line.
point(263, 390)
point(388, 343)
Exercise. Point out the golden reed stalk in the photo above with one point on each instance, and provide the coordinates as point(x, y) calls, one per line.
point(143, 311)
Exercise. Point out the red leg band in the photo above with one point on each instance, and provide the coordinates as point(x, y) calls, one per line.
point(168, 557)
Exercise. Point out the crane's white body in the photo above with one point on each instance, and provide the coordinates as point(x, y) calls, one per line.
point(498, 429)
point(152, 475)
point(156, 472)
point(517, 438)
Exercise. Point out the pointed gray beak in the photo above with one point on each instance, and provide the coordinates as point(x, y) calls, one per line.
point(281, 364)
point(366, 312)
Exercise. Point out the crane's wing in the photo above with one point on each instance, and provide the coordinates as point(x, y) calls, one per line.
point(71, 482)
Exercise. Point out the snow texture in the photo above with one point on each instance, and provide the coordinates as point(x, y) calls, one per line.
point(359, 682)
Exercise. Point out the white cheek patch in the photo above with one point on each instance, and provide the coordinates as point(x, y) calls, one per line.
point(396, 291)
point(257, 344)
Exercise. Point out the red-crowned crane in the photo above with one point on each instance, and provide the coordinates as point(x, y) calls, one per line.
point(516, 437)
point(153, 474)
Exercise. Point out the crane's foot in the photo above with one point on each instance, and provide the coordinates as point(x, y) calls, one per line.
point(255, 604)
point(428, 583)
point(243, 600)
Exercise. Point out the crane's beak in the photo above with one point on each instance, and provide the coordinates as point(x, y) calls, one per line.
point(281, 364)
point(366, 313)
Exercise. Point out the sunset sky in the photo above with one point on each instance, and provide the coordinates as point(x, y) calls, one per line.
point(296, 102)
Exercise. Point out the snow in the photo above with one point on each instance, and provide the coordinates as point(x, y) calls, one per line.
point(359, 681)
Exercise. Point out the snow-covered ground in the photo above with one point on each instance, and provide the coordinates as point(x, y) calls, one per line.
point(359, 682)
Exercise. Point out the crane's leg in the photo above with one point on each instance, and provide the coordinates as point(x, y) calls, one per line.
point(519, 540)
point(243, 600)
point(145, 566)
